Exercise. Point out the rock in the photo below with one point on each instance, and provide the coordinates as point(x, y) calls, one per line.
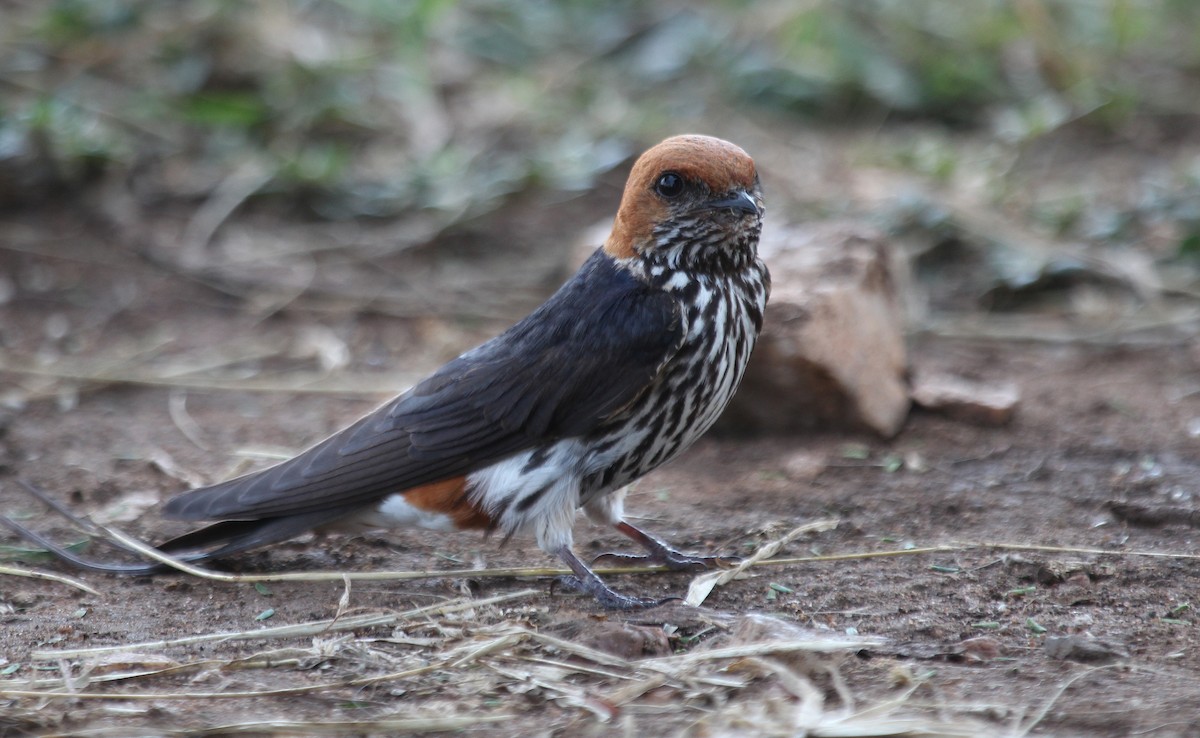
point(832, 353)
point(1085, 649)
point(980, 649)
point(982, 403)
point(805, 466)
point(972, 650)
point(1151, 516)
point(752, 630)
point(627, 641)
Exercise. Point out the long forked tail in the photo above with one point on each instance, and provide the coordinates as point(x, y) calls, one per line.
point(204, 544)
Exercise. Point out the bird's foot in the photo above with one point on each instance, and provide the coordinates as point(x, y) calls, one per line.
point(660, 553)
point(585, 580)
point(608, 598)
point(669, 557)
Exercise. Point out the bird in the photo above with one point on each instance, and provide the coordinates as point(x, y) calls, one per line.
point(618, 372)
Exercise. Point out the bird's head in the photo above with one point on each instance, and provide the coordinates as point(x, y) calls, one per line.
point(693, 203)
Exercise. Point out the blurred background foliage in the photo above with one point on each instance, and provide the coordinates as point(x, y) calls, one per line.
point(379, 109)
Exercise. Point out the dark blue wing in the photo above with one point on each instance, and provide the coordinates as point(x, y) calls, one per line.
point(563, 371)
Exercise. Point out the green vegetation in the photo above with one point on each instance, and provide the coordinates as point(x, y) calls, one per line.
point(378, 108)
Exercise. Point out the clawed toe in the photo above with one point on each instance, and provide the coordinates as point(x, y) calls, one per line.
point(585, 580)
point(673, 560)
point(610, 558)
point(608, 598)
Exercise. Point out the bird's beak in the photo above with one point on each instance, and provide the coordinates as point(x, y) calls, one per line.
point(739, 201)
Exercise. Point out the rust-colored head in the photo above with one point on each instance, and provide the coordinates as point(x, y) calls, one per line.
point(684, 179)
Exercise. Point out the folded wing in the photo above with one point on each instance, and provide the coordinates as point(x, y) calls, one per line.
point(566, 370)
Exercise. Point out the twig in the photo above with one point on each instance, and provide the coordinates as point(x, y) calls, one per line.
point(187, 425)
point(971, 546)
point(235, 189)
point(295, 630)
point(343, 601)
point(310, 383)
point(864, 555)
point(249, 694)
point(124, 676)
point(704, 584)
point(1133, 333)
point(1074, 550)
point(673, 664)
point(17, 571)
point(1054, 698)
point(377, 726)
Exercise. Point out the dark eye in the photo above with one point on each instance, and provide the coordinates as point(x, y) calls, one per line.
point(669, 185)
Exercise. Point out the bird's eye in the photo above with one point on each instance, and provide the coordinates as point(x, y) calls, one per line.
point(669, 185)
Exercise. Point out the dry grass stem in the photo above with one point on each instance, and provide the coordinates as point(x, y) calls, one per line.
point(499, 644)
point(379, 726)
point(1074, 550)
point(308, 382)
point(578, 668)
point(1150, 330)
point(231, 695)
point(580, 650)
point(705, 583)
point(681, 662)
point(962, 547)
point(235, 189)
point(18, 571)
point(1041, 714)
point(187, 425)
point(297, 630)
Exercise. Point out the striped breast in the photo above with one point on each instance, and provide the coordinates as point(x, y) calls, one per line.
point(723, 315)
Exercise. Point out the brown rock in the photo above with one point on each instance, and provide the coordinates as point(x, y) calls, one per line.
point(805, 466)
point(980, 648)
point(1082, 648)
point(832, 352)
point(983, 403)
point(630, 642)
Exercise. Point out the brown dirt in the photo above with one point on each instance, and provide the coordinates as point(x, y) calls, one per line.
point(1096, 425)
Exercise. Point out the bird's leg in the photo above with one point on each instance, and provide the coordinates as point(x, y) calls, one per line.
point(586, 581)
point(660, 553)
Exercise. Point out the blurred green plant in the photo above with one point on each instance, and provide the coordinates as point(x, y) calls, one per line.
point(379, 108)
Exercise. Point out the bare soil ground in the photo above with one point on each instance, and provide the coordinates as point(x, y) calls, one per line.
point(963, 631)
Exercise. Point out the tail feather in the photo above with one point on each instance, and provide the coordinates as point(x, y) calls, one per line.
point(234, 536)
point(209, 543)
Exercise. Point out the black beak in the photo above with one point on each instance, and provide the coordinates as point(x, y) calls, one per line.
point(739, 201)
